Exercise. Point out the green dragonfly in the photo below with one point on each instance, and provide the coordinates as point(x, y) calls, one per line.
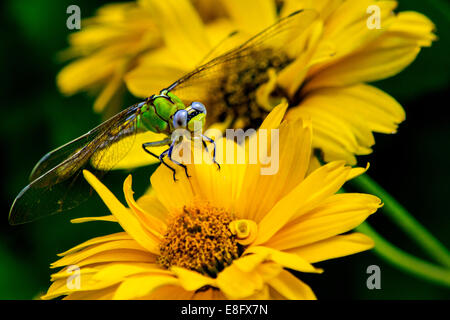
point(228, 82)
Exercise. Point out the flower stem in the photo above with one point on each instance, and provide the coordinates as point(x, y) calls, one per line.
point(404, 220)
point(405, 261)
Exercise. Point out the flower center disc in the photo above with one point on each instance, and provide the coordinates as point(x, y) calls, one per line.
point(199, 239)
point(236, 93)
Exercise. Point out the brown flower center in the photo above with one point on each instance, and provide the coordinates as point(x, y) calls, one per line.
point(235, 93)
point(199, 238)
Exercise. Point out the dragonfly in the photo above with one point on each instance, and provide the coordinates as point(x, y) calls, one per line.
point(226, 81)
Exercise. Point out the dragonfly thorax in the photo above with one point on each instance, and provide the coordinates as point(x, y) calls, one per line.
point(158, 111)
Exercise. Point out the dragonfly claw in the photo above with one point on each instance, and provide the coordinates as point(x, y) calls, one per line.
point(185, 171)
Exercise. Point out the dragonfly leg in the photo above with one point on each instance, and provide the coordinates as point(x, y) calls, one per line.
point(162, 155)
point(161, 158)
point(214, 149)
point(205, 145)
point(164, 142)
point(176, 162)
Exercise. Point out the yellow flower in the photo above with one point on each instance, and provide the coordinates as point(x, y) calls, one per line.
point(325, 82)
point(107, 47)
point(228, 234)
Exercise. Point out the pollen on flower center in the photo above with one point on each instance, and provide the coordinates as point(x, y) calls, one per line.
point(199, 238)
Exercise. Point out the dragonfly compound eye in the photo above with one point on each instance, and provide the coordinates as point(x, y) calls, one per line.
point(198, 106)
point(180, 119)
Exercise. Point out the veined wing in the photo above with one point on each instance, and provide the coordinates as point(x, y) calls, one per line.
point(56, 184)
point(243, 68)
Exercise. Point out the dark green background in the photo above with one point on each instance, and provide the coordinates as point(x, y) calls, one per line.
point(35, 118)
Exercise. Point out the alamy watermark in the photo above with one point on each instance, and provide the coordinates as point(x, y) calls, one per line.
point(73, 281)
point(73, 21)
point(374, 280)
point(374, 21)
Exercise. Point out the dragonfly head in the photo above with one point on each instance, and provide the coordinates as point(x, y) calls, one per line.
point(191, 118)
point(196, 114)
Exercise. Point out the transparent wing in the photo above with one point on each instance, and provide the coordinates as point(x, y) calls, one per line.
point(56, 183)
point(228, 80)
point(224, 46)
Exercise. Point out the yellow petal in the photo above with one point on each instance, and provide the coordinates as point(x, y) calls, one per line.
point(113, 88)
point(106, 276)
point(102, 294)
point(66, 272)
point(204, 295)
point(273, 119)
point(98, 240)
point(150, 204)
point(249, 16)
point(261, 192)
point(57, 289)
point(172, 194)
point(346, 29)
point(206, 181)
point(249, 262)
point(335, 247)
point(319, 185)
point(383, 58)
point(219, 187)
point(285, 259)
point(338, 214)
point(156, 70)
point(333, 150)
point(152, 224)
point(113, 23)
point(291, 288)
point(237, 284)
point(324, 7)
point(269, 270)
point(182, 29)
point(263, 294)
point(118, 255)
point(109, 218)
point(355, 172)
point(191, 280)
point(344, 118)
point(328, 126)
point(351, 12)
point(76, 257)
point(414, 25)
point(142, 285)
point(292, 77)
point(380, 111)
point(222, 36)
point(169, 292)
point(252, 173)
point(119, 271)
point(85, 72)
point(124, 216)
